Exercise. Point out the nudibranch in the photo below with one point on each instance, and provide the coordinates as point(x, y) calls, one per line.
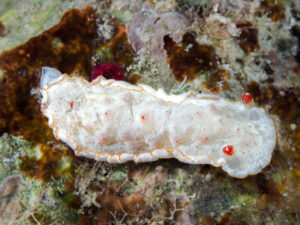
point(115, 121)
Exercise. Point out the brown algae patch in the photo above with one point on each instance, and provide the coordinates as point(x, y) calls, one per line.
point(274, 9)
point(20, 109)
point(284, 103)
point(49, 165)
point(248, 39)
point(218, 81)
point(2, 30)
point(188, 58)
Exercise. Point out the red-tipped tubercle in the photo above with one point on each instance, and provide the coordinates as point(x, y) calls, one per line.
point(247, 98)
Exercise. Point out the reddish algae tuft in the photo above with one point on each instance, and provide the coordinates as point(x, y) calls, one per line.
point(108, 70)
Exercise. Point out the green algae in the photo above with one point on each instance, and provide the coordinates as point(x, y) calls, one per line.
point(104, 54)
point(181, 179)
point(123, 16)
point(1, 75)
point(244, 200)
point(57, 43)
point(118, 176)
point(11, 148)
point(64, 165)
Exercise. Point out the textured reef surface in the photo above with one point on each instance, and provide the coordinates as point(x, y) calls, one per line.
point(222, 47)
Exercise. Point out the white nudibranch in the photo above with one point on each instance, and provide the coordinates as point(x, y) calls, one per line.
point(115, 121)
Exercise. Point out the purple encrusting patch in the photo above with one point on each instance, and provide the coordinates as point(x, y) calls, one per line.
point(108, 70)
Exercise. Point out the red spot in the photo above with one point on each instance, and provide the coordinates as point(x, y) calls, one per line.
point(106, 113)
point(228, 150)
point(142, 117)
point(71, 105)
point(108, 70)
point(246, 98)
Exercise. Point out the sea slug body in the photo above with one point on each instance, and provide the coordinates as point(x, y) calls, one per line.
point(115, 121)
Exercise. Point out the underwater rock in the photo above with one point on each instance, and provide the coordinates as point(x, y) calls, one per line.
point(10, 207)
point(146, 29)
